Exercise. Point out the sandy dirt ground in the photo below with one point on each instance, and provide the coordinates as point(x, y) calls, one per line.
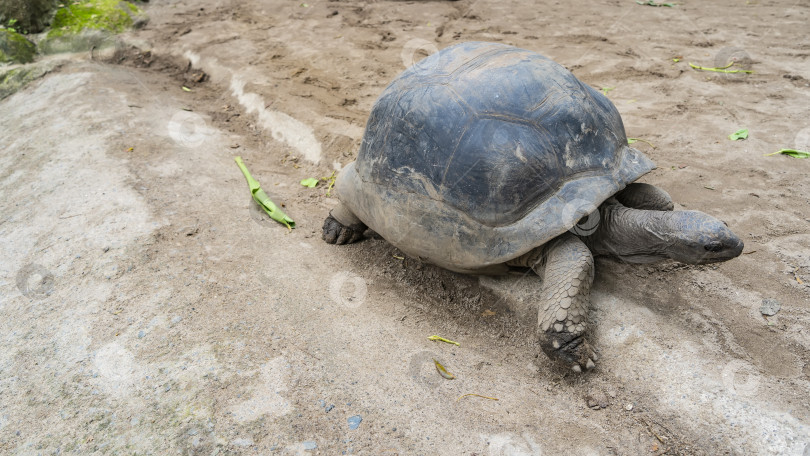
point(149, 307)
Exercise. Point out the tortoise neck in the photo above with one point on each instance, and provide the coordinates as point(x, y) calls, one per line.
point(633, 235)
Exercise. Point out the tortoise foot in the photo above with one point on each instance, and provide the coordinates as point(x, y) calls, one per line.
point(335, 232)
point(571, 350)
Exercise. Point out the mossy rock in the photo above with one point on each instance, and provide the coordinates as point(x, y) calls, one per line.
point(15, 48)
point(113, 16)
point(27, 16)
point(82, 41)
point(12, 80)
point(89, 24)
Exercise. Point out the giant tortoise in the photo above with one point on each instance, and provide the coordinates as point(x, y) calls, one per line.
point(484, 157)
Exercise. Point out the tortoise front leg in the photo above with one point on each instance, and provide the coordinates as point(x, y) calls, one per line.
point(645, 196)
point(342, 226)
point(566, 266)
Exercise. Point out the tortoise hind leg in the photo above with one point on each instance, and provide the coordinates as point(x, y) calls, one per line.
point(342, 226)
point(645, 196)
point(566, 266)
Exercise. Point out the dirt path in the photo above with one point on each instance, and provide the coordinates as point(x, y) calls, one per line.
point(149, 308)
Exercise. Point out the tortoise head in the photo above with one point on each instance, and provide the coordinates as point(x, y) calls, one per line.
point(694, 237)
point(644, 236)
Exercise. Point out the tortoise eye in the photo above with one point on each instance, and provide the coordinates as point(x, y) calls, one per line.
point(713, 246)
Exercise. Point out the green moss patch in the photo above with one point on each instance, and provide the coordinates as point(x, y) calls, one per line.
point(13, 80)
point(89, 24)
point(113, 16)
point(15, 48)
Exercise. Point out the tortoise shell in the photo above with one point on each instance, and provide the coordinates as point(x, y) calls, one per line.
point(482, 152)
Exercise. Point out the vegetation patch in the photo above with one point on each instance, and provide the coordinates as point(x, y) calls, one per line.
point(26, 16)
point(15, 48)
point(112, 16)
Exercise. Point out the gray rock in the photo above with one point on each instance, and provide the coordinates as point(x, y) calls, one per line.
point(769, 307)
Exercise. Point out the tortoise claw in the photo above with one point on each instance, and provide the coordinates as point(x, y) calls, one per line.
point(576, 352)
point(335, 232)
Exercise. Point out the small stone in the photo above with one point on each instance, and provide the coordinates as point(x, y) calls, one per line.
point(628, 407)
point(769, 307)
point(242, 442)
point(329, 408)
point(309, 445)
point(141, 334)
point(596, 399)
point(354, 422)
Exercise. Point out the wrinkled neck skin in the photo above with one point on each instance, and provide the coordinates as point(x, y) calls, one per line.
point(643, 236)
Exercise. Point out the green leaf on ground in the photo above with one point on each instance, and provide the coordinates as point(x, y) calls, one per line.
point(635, 140)
point(331, 181)
point(442, 339)
point(442, 371)
point(739, 134)
point(310, 182)
point(262, 199)
point(652, 3)
point(791, 153)
point(719, 69)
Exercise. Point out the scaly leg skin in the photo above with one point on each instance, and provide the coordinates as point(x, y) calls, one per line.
point(566, 266)
point(645, 196)
point(342, 226)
